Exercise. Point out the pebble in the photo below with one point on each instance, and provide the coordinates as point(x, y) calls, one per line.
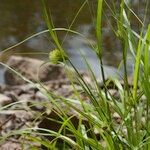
point(4, 100)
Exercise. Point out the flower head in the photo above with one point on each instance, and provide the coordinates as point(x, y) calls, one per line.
point(57, 56)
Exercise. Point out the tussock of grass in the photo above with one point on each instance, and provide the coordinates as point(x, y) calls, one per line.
point(132, 133)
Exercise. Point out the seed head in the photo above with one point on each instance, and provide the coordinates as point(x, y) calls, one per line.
point(57, 56)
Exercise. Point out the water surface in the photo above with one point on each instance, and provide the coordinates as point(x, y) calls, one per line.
point(20, 19)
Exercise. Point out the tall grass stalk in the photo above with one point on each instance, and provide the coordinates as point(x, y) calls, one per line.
point(99, 38)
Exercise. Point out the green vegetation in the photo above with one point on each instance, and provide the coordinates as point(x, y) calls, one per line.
point(133, 132)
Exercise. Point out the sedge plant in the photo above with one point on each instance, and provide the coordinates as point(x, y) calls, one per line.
point(101, 132)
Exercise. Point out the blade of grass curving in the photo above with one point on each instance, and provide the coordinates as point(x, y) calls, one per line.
point(99, 39)
point(124, 45)
point(90, 94)
point(137, 68)
point(74, 19)
point(104, 101)
point(44, 143)
point(140, 21)
point(42, 32)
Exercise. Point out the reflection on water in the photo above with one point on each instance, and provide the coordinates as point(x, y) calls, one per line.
point(20, 19)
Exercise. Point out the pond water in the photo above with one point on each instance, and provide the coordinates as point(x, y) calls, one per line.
point(21, 19)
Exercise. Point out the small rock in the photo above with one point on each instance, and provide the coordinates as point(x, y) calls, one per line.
point(22, 89)
point(39, 102)
point(117, 118)
point(114, 93)
point(12, 95)
point(14, 119)
point(26, 97)
point(31, 69)
point(8, 145)
point(130, 81)
point(5, 100)
point(22, 114)
point(40, 96)
point(2, 88)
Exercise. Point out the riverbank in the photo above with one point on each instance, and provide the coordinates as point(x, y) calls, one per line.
point(23, 105)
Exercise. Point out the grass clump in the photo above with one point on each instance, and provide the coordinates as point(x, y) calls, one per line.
point(103, 132)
